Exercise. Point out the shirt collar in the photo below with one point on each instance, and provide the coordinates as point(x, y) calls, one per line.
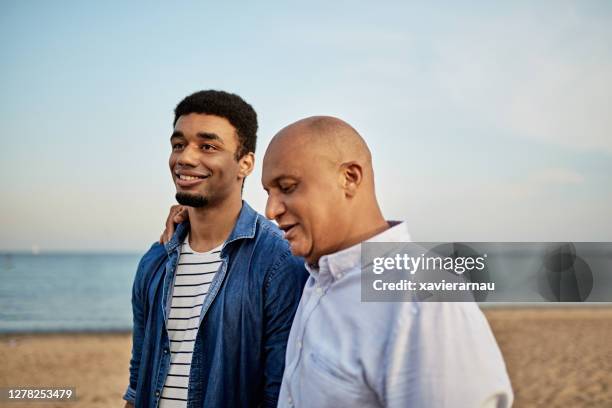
point(243, 229)
point(334, 266)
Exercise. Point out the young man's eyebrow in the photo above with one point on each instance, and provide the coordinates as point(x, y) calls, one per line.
point(176, 135)
point(210, 136)
point(202, 135)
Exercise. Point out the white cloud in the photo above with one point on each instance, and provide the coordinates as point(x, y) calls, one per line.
point(547, 78)
point(547, 205)
point(557, 176)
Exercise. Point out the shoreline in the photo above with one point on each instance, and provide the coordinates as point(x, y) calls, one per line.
point(485, 307)
point(67, 332)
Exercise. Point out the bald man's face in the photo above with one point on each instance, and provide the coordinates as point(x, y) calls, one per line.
point(305, 197)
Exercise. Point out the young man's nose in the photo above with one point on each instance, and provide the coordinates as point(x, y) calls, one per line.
point(188, 157)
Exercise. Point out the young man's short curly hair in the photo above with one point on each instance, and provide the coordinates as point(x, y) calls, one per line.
point(226, 105)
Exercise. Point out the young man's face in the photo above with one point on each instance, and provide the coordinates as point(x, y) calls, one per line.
point(304, 198)
point(202, 162)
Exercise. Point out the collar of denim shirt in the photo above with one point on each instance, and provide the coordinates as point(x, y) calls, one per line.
point(244, 228)
point(334, 267)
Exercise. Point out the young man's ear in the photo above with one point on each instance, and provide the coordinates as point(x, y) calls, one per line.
point(246, 163)
point(352, 176)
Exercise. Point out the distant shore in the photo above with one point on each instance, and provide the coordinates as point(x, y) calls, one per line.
point(555, 357)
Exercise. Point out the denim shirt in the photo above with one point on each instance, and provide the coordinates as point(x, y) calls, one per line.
point(239, 351)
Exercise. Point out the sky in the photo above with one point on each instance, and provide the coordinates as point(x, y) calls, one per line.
point(487, 121)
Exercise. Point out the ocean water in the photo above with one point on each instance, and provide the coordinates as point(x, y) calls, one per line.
point(66, 292)
point(92, 292)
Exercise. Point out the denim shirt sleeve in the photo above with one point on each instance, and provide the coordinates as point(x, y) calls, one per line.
point(284, 285)
point(138, 299)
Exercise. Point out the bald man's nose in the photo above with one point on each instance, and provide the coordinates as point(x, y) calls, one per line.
point(274, 207)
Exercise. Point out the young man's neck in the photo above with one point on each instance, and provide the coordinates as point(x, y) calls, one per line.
point(210, 226)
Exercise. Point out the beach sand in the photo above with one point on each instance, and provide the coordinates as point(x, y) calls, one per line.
point(555, 357)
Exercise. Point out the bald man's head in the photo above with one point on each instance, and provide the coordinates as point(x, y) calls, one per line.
point(318, 175)
point(332, 137)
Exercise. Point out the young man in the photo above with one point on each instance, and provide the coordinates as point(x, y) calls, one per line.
point(344, 352)
point(213, 306)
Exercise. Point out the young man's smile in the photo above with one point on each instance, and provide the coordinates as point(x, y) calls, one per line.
point(186, 179)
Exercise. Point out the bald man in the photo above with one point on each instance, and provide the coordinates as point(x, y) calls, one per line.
point(319, 179)
point(343, 352)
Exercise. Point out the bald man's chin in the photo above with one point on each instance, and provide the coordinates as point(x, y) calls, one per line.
point(311, 258)
point(297, 251)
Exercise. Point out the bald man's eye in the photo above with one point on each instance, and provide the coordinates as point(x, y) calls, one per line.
point(287, 189)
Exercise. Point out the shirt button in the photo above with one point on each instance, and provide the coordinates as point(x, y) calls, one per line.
point(289, 401)
point(165, 351)
point(319, 290)
point(157, 393)
point(299, 344)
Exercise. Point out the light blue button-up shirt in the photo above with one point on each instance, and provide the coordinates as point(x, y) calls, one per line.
point(346, 353)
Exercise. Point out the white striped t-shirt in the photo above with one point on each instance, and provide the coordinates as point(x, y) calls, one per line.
point(194, 273)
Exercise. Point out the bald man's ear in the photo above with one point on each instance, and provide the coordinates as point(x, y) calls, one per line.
point(246, 163)
point(352, 176)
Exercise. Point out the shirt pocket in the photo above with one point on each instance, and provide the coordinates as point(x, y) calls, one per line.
point(326, 385)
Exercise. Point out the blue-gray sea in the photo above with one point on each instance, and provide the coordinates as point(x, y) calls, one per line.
point(66, 292)
point(92, 292)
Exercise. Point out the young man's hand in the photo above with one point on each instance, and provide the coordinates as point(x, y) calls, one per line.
point(177, 215)
point(128, 405)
